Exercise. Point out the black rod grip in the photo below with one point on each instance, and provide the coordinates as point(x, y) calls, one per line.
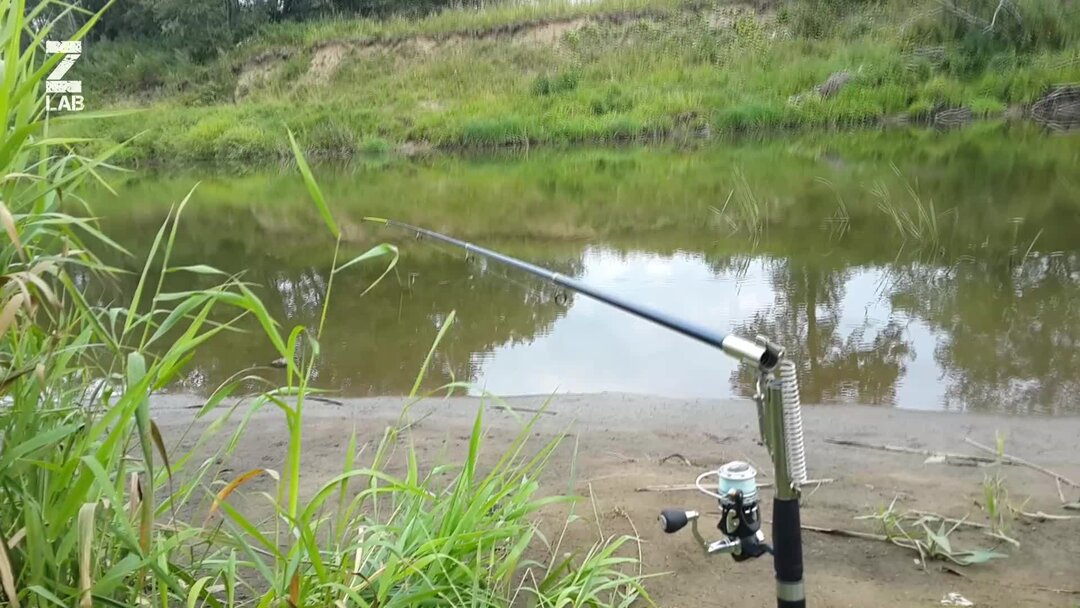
point(787, 554)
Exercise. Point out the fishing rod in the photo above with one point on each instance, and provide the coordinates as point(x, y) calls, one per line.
point(779, 421)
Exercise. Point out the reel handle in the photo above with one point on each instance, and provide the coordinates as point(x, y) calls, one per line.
point(673, 520)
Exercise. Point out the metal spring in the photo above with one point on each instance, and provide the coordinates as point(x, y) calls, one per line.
point(793, 431)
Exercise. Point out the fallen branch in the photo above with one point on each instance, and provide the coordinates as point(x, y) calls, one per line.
point(958, 459)
point(925, 549)
point(842, 532)
point(1056, 590)
point(1009, 459)
point(1040, 516)
point(622, 457)
point(990, 26)
point(916, 514)
point(525, 410)
point(677, 456)
point(678, 487)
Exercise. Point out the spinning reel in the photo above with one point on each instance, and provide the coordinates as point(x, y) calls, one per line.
point(740, 518)
point(780, 422)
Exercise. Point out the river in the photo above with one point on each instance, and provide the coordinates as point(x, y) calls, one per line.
point(911, 269)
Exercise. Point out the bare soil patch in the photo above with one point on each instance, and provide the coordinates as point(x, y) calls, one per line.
point(618, 444)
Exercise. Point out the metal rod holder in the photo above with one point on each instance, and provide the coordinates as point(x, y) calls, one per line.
point(765, 357)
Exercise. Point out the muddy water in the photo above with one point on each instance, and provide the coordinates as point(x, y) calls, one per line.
point(907, 269)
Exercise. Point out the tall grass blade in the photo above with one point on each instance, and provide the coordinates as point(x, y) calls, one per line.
point(313, 188)
point(447, 323)
point(7, 575)
point(233, 485)
point(86, 548)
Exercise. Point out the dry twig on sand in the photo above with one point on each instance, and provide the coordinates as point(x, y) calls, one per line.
point(947, 457)
point(1040, 516)
point(676, 487)
point(1009, 459)
point(677, 456)
point(844, 533)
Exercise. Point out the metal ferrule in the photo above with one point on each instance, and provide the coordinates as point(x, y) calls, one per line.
point(750, 352)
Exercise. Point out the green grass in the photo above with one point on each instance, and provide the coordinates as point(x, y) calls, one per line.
point(457, 21)
point(961, 189)
point(98, 510)
point(639, 70)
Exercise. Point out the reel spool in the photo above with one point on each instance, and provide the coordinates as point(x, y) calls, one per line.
point(740, 518)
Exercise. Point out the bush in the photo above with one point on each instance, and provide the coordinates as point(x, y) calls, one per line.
point(976, 31)
point(611, 101)
point(493, 131)
point(127, 68)
point(942, 91)
point(375, 145)
point(750, 116)
point(244, 143)
point(560, 83)
point(332, 137)
point(821, 18)
point(986, 107)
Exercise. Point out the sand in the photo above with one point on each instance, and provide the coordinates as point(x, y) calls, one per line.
point(621, 443)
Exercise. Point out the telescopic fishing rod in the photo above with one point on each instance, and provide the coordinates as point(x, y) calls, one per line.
point(779, 421)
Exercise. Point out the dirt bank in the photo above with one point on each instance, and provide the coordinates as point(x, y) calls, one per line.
point(620, 443)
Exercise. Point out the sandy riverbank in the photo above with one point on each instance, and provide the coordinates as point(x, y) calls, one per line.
point(621, 440)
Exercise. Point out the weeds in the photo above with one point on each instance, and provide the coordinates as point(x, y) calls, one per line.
point(749, 213)
point(919, 221)
point(995, 496)
point(95, 503)
point(640, 69)
point(996, 502)
point(560, 83)
point(929, 535)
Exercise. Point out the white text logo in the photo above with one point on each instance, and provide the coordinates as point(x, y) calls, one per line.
point(63, 95)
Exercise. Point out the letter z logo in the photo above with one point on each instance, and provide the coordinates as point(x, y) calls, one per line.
point(72, 50)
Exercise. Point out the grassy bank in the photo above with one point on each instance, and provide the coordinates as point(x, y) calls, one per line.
point(553, 72)
point(101, 508)
point(980, 181)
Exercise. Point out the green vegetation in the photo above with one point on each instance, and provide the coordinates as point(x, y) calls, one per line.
point(975, 191)
point(805, 219)
point(554, 72)
point(928, 534)
point(95, 502)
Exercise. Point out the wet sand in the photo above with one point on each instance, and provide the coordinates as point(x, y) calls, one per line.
point(618, 443)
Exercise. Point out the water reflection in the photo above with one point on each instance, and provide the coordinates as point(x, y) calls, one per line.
point(908, 335)
point(847, 349)
point(1007, 338)
point(984, 314)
